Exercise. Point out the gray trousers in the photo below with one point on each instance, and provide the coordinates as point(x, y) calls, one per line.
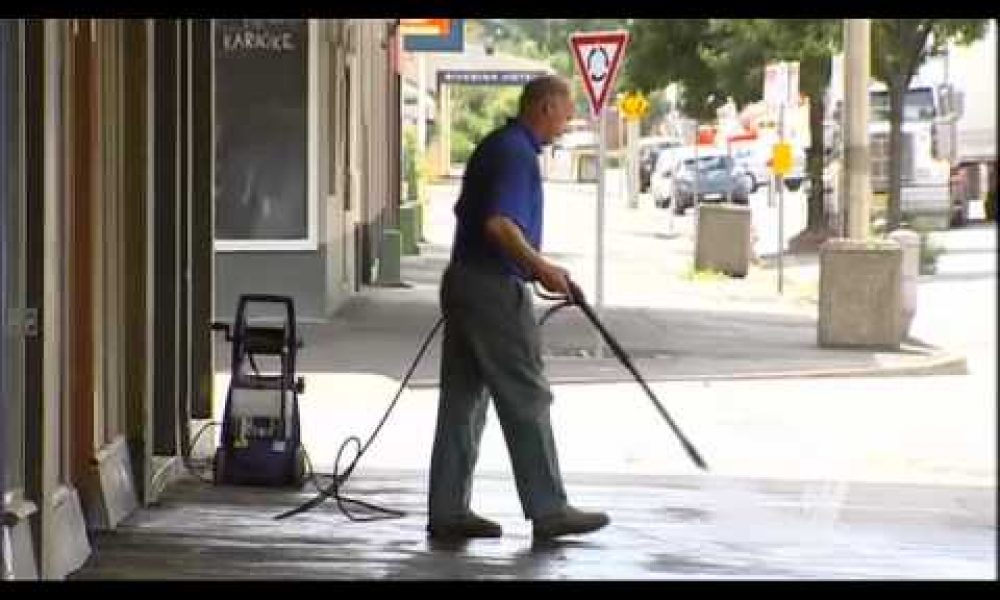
point(492, 348)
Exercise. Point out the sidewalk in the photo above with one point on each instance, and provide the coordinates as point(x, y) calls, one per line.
point(693, 329)
point(661, 529)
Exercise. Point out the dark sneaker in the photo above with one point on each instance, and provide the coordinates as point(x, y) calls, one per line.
point(469, 526)
point(570, 521)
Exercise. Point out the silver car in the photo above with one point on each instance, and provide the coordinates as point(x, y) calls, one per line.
point(753, 161)
point(717, 179)
point(756, 162)
point(662, 179)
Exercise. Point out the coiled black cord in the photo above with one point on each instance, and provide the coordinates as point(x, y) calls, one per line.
point(333, 489)
point(186, 454)
point(576, 298)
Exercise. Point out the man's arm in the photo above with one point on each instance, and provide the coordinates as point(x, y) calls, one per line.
point(506, 234)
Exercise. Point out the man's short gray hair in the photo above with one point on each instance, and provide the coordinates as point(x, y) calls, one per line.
point(540, 89)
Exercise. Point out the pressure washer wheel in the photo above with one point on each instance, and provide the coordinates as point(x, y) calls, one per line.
point(218, 466)
point(299, 476)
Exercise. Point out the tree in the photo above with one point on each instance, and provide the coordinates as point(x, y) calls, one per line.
point(715, 59)
point(476, 111)
point(548, 39)
point(811, 42)
point(899, 47)
point(663, 51)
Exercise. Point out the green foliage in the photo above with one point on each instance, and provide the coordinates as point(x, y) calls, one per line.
point(703, 275)
point(461, 147)
point(476, 111)
point(414, 168)
point(929, 253)
point(663, 51)
point(717, 59)
point(714, 59)
point(548, 40)
point(410, 164)
point(900, 46)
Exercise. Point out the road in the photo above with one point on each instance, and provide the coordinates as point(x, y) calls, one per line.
point(926, 429)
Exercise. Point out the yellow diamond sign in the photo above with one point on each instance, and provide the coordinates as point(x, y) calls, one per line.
point(781, 159)
point(633, 105)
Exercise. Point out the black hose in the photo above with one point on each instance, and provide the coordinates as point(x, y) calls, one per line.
point(339, 479)
point(186, 453)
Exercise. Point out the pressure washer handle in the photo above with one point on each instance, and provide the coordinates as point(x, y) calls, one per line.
point(576, 296)
point(575, 293)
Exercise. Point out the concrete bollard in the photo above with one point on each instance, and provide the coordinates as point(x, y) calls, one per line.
point(909, 241)
point(389, 263)
point(722, 239)
point(409, 227)
point(860, 294)
point(586, 167)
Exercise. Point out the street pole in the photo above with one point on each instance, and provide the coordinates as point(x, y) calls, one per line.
point(421, 103)
point(599, 292)
point(857, 56)
point(952, 120)
point(694, 202)
point(781, 201)
point(444, 100)
point(633, 163)
point(729, 154)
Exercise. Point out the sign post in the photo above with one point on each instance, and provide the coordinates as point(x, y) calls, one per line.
point(781, 88)
point(633, 106)
point(781, 195)
point(597, 56)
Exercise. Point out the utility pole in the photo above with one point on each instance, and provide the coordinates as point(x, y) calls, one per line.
point(780, 184)
point(857, 168)
point(421, 103)
point(632, 182)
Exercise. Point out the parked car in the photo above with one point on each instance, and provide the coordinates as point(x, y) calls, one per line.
point(649, 152)
point(753, 160)
point(718, 179)
point(662, 179)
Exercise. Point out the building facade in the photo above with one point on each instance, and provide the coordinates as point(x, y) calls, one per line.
point(137, 203)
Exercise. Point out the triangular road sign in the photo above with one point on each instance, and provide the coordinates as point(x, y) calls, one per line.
point(598, 55)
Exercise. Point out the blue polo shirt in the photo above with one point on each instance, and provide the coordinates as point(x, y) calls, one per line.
point(501, 178)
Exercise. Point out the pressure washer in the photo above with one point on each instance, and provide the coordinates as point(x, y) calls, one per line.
point(576, 298)
point(261, 441)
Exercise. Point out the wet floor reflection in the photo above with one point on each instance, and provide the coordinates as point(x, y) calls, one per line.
point(687, 529)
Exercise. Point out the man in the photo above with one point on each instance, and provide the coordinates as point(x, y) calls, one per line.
point(491, 340)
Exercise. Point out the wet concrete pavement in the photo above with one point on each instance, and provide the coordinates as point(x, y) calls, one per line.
point(844, 477)
point(697, 527)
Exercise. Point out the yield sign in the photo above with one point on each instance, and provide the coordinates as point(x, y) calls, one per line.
point(598, 55)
